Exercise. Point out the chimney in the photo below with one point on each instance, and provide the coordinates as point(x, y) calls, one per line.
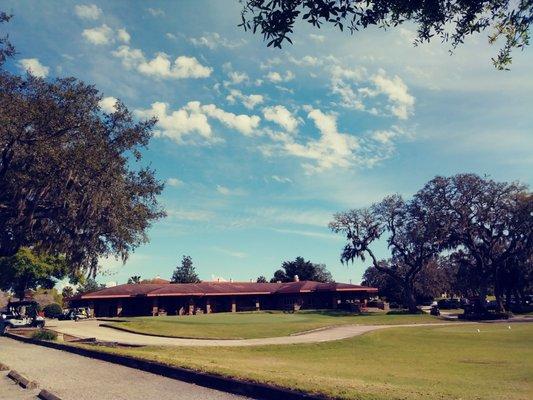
point(296, 278)
point(231, 280)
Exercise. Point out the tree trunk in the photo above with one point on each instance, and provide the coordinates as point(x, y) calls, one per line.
point(409, 298)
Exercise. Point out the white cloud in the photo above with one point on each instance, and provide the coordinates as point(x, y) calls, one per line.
point(243, 123)
point(306, 61)
point(331, 149)
point(276, 77)
point(179, 125)
point(90, 11)
point(189, 215)
point(229, 192)
point(397, 92)
point(281, 116)
point(249, 101)
point(108, 104)
point(175, 182)
point(292, 216)
point(232, 253)
point(214, 40)
point(281, 179)
point(123, 35)
point(309, 234)
point(236, 78)
point(317, 38)
point(34, 67)
point(99, 35)
point(190, 123)
point(161, 66)
point(155, 12)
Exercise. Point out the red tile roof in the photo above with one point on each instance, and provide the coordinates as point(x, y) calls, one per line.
point(221, 289)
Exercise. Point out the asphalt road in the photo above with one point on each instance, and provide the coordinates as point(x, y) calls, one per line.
point(73, 377)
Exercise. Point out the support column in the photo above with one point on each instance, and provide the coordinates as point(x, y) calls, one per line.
point(257, 305)
point(119, 308)
point(191, 307)
point(207, 306)
point(334, 302)
point(155, 306)
point(233, 304)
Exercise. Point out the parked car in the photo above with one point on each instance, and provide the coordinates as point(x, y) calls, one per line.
point(21, 314)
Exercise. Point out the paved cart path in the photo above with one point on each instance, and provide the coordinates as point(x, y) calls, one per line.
point(73, 377)
point(91, 329)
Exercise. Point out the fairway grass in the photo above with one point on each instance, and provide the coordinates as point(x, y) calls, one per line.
point(257, 324)
point(444, 362)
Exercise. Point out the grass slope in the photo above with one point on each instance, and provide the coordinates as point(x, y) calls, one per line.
point(257, 325)
point(451, 362)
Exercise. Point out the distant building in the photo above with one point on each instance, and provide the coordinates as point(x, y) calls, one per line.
point(208, 297)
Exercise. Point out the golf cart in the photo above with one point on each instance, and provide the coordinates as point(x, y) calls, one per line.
point(74, 314)
point(21, 314)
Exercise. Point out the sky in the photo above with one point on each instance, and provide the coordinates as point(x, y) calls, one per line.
point(259, 147)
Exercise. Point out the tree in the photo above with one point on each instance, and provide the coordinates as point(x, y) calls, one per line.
point(185, 273)
point(134, 279)
point(451, 21)
point(89, 285)
point(306, 271)
point(261, 279)
point(70, 179)
point(28, 269)
point(488, 224)
point(411, 239)
point(432, 280)
point(67, 292)
point(6, 48)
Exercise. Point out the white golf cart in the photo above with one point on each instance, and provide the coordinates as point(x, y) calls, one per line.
point(21, 314)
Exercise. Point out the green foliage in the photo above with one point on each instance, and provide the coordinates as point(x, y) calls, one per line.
point(452, 21)
point(44, 334)
point(261, 279)
point(71, 180)
point(53, 310)
point(89, 285)
point(185, 273)
point(28, 269)
point(134, 279)
point(306, 271)
point(67, 292)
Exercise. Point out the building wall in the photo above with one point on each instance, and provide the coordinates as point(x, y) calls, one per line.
point(178, 305)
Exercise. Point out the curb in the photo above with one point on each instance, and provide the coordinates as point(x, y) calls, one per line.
point(46, 395)
point(257, 391)
point(21, 380)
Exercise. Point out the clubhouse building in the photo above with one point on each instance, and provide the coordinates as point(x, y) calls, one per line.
point(208, 297)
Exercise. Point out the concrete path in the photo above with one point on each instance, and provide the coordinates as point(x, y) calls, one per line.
point(10, 390)
point(73, 377)
point(91, 329)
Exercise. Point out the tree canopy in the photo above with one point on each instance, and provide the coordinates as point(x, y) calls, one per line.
point(69, 179)
point(306, 271)
point(483, 228)
point(185, 272)
point(450, 21)
point(29, 270)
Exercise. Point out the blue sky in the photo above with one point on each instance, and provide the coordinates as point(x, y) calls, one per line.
point(259, 147)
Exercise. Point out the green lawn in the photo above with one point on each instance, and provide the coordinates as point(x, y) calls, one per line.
point(451, 362)
point(257, 324)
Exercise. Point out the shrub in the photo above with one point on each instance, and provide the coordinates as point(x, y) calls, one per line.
point(43, 334)
point(53, 310)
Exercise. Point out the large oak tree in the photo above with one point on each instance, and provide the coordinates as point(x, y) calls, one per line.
point(71, 181)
